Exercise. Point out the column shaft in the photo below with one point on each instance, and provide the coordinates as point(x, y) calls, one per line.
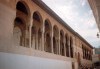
point(52, 50)
point(69, 47)
point(30, 36)
point(64, 46)
point(42, 41)
point(59, 42)
point(30, 32)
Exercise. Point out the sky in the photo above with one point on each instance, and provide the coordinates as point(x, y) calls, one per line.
point(78, 15)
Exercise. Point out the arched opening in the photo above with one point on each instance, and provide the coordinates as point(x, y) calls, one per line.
point(20, 24)
point(55, 39)
point(48, 44)
point(71, 47)
point(47, 36)
point(37, 31)
point(18, 32)
point(21, 7)
point(66, 45)
point(62, 42)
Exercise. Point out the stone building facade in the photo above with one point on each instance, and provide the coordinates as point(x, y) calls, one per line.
point(95, 6)
point(32, 36)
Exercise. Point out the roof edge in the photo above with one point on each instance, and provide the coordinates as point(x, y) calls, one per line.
point(55, 16)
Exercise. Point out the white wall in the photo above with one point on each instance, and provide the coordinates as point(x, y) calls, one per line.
point(15, 61)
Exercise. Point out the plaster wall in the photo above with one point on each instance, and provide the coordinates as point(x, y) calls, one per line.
point(15, 61)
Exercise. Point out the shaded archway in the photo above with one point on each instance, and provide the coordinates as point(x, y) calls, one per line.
point(55, 39)
point(18, 32)
point(20, 23)
point(21, 7)
point(47, 36)
point(71, 47)
point(66, 45)
point(37, 31)
point(62, 42)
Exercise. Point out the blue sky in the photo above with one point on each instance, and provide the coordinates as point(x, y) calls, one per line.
point(78, 15)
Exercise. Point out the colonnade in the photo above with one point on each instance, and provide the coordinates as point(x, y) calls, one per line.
point(34, 32)
point(86, 53)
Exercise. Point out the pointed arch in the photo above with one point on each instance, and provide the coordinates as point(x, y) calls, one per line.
point(55, 39)
point(56, 31)
point(19, 22)
point(18, 32)
point(37, 30)
point(22, 19)
point(48, 26)
point(23, 7)
point(47, 35)
point(37, 16)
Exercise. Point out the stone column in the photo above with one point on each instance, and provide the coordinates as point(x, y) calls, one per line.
point(59, 42)
point(30, 36)
point(86, 54)
point(42, 40)
point(52, 50)
point(64, 46)
point(43, 30)
point(83, 52)
point(25, 38)
point(73, 47)
point(69, 46)
point(30, 32)
point(37, 40)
